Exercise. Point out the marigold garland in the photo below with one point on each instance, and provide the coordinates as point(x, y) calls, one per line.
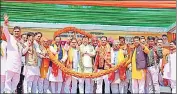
point(74, 29)
point(77, 74)
point(67, 71)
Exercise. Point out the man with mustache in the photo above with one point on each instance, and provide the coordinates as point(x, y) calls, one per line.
point(87, 53)
point(103, 62)
point(15, 52)
point(154, 55)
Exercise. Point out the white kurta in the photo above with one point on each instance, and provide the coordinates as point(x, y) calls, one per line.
point(86, 59)
point(31, 70)
point(170, 67)
point(15, 51)
point(114, 61)
point(3, 58)
point(173, 66)
point(75, 58)
point(57, 78)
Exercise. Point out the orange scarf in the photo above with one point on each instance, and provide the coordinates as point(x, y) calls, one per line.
point(103, 52)
point(45, 65)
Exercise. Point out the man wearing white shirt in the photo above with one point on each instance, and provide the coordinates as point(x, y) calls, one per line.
point(114, 62)
point(87, 53)
point(3, 63)
point(118, 85)
point(72, 63)
point(15, 52)
point(170, 67)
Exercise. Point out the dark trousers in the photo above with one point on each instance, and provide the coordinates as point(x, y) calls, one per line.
point(20, 84)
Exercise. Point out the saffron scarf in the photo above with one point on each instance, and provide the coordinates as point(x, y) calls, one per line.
point(122, 69)
point(2, 53)
point(45, 64)
point(69, 62)
point(59, 56)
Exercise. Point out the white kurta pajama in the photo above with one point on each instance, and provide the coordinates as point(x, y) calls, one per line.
point(71, 82)
point(170, 71)
point(115, 83)
point(15, 52)
point(36, 45)
point(3, 64)
point(117, 86)
point(32, 71)
point(87, 62)
point(56, 81)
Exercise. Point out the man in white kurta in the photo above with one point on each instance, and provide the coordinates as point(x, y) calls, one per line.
point(32, 71)
point(72, 63)
point(170, 67)
point(3, 63)
point(114, 61)
point(87, 53)
point(118, 85)
point(15, 52)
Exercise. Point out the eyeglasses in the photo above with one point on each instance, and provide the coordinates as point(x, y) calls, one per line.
point(164, 38)
point(16, 31)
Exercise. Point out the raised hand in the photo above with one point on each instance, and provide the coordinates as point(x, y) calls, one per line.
point(77, 47)
point(143, 46)
point(6, 19)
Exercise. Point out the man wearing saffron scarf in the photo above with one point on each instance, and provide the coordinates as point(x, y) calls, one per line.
point(139, 65)
point(118, 85)
point(103, 62)
point(55, 74)
point(163, 61)
point(72, 63)
point(44, 67)
point(15, 52)
point(87, 53)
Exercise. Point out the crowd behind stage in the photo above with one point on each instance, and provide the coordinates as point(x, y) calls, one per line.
point(26, 66)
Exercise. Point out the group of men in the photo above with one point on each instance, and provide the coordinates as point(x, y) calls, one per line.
point(141, 63)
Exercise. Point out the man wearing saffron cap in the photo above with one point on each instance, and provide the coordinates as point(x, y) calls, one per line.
point(110, 41)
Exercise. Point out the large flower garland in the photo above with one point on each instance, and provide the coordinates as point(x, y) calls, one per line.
point(75, 30)
point(67, 71)
point(77, 74)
